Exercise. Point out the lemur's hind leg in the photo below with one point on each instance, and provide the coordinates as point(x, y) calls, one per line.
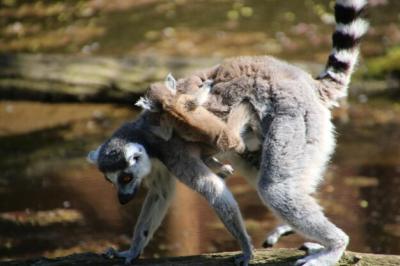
point(284, 181)
point(274, 236)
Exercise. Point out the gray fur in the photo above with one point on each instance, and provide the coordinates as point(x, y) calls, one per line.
point(161, 187)
point(190, 169)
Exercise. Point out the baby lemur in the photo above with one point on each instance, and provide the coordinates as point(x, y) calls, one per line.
point(289, 142)
point(181, 111)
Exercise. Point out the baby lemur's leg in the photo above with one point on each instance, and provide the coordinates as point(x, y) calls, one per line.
point(189, 168)
point(156, 203)
point(285, 177)
point(238, 118)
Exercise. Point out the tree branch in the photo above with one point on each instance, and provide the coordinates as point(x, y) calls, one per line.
point(270, 257)
point(86, 78)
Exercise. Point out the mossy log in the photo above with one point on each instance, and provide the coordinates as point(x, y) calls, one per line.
point(61, 77)
point(270, 257)
point(86, 78)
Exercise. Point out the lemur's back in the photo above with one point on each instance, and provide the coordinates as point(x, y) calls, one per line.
point(274, 88)
point(267, 83)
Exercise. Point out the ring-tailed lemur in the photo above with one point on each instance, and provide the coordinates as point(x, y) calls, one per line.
point(294, 130)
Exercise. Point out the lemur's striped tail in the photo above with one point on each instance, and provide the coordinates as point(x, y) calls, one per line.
point(349, 30)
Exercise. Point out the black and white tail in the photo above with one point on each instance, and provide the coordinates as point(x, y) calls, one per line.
point(349, 30)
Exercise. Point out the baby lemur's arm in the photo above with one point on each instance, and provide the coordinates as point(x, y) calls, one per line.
point(188, 110)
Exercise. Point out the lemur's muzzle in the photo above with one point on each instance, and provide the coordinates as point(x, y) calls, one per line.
point(124, 198)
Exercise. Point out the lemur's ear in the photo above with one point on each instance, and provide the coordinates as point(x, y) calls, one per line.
point(170, 82)
point(93, 156)
point(132, 151)
point(146, 104)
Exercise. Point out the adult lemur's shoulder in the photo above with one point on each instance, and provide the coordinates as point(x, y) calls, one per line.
point(292, 125)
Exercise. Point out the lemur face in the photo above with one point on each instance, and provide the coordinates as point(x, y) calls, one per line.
point(127, 171)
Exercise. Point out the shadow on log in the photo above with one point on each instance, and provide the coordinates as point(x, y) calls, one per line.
point(86, 78)
point(270, 257)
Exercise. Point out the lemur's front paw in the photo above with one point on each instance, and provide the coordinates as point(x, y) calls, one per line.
point(311, 248)
point(243, 259)
point(128, 255)
point(227, 169)
point(274, 236)
point(111, 253)
point(130, 259)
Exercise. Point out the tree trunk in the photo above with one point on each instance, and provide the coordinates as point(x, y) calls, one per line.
point(270, 257)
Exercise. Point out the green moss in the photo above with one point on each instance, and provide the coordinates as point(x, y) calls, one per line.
point(380, 66)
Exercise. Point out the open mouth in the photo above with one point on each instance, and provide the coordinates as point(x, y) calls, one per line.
point(124, 198)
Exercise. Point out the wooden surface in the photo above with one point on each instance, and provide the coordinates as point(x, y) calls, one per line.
point(270, 257)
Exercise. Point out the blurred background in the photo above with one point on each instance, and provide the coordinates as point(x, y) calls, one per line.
point(70, 72)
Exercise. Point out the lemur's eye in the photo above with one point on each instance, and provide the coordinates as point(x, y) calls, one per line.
point(136, 157)
point(126, 178)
